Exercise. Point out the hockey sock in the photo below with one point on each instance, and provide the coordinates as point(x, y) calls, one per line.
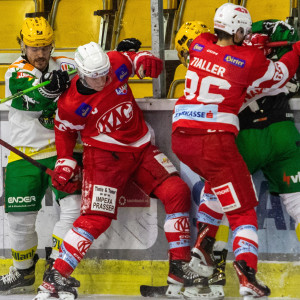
point(177, 230)
point(69, 212)
point(78, 240)
point(72, 250)
point(209, 217)
point(245, 239)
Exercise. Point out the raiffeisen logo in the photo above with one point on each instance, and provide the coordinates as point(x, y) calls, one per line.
point(198, 47)
point(235, 61)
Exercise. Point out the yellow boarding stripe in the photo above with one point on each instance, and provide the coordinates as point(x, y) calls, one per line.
point(298, 231)
point(125, 277)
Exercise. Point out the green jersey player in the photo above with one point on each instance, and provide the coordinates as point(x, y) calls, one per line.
point(32, 132)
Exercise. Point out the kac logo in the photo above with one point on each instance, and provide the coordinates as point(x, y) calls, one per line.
point(115, 118)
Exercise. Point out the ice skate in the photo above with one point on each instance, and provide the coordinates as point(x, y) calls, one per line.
point(250, 287)
point(218, 279)
point(175, 279)
point(18, 281)
point(71, 280)
point(55, 285)
point(202, 261)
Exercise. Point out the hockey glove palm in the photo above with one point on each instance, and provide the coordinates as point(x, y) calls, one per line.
point(148, 65)
point(67, 176)
point(59, 82)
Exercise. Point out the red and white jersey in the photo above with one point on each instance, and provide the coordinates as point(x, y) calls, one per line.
point(109, 119)
point(217, 80)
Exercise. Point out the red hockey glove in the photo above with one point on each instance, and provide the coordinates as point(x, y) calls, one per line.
point(64, 171)
point(260, 41)
point(148, 65)
point(75, 184)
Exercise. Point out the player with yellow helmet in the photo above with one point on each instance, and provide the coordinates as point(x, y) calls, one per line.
point(31, 121)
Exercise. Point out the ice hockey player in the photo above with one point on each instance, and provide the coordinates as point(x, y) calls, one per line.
point(205, 124)
point(270, 119)
point(99, 104)
point(31, 119)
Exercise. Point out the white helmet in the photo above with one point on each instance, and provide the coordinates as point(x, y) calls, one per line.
point(92, 61)
point(230, 17)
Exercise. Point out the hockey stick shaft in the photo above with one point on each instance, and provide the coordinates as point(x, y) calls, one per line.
point(28, 158)
point(281, 43)
point(21, 93)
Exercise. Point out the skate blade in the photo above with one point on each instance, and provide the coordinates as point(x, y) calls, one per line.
point(251, 297)
point(42, 296)
point(174, 291)
point(218, 291)
point(66, 296)
point(200, 293)
point(19, 290)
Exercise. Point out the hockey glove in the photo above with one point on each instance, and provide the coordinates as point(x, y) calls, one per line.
point(131, 44)
point(59, 82)
point(65, 170)
point(260, 41)
point(148, 65)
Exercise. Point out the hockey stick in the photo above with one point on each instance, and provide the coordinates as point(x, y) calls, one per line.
point(153, 291)
point(21, 93)
point(28, 158)
point(281, 43)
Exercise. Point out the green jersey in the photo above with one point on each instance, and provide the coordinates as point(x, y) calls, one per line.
point(31, 116)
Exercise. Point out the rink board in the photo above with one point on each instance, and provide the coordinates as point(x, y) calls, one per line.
point(134, 249)
point(115, 277)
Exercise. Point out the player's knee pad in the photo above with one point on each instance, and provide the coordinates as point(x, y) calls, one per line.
point(174, 194)
point(93, 224)
point(22, 222)
point(22, 233)
point(291, 202)
point(69, 209)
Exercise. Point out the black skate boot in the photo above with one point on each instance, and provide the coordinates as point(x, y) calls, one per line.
point(55, 285)
point(218, 279)
point(181, 276)
point(18, 281)
point(203, 261)
point(250, 287)
point(48, 267)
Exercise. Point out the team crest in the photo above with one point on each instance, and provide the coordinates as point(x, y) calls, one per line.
point(122, 90)
point(115, 118)
point(65, 66)
point(24, 75)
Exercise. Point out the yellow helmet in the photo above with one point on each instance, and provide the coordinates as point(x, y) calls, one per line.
point(36, 32)
point(187, 33)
